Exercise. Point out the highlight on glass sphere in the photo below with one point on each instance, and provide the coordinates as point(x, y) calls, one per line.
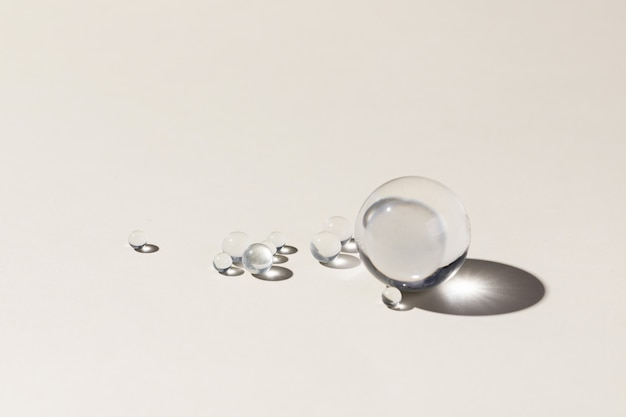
point(325, 246)
point(412, 233)
point(235, 244)
point(339, 226)
point(257, 258)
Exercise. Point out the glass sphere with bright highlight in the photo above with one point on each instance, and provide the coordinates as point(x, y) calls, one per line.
point(412, 233)
point(257, 258)
point(137, 239)
point(235, 244)
point(339, 226)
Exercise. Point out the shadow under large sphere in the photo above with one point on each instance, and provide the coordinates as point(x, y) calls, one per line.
point(480, 288)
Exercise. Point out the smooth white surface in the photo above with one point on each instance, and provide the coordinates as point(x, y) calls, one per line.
point(161, 115)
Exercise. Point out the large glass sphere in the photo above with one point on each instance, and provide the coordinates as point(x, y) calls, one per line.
point(412, 233)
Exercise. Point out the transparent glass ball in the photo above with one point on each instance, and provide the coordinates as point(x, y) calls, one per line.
point(257, 258)
point(235, 244)
point(325, 246)
point(412, 233)
point(339, 226)
point(278, 239)
point(137, 239)
point(270, 245)
point(391, 296)
point(222, 261)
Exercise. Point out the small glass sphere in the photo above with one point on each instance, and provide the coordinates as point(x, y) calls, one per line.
point(222, 262)
point(235, 244)
point(270, 245)
point(339, 226)
point(325, 246)
point(278, 239)
point(137, 239)
point(391, 296)
point(257, 259)
point(412, 233)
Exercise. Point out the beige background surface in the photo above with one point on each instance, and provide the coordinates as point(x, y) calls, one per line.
point(195, 118)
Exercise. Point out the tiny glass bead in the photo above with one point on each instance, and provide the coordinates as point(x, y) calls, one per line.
point(391, 296)
point(137, 239)
point(222, 262)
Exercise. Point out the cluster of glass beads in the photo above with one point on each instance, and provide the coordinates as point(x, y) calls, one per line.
point(412, 233)
point(256, 257)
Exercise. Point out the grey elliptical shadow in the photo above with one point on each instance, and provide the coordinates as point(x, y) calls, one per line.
point(480, 288)
point(147, 248)
point(233, 271)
